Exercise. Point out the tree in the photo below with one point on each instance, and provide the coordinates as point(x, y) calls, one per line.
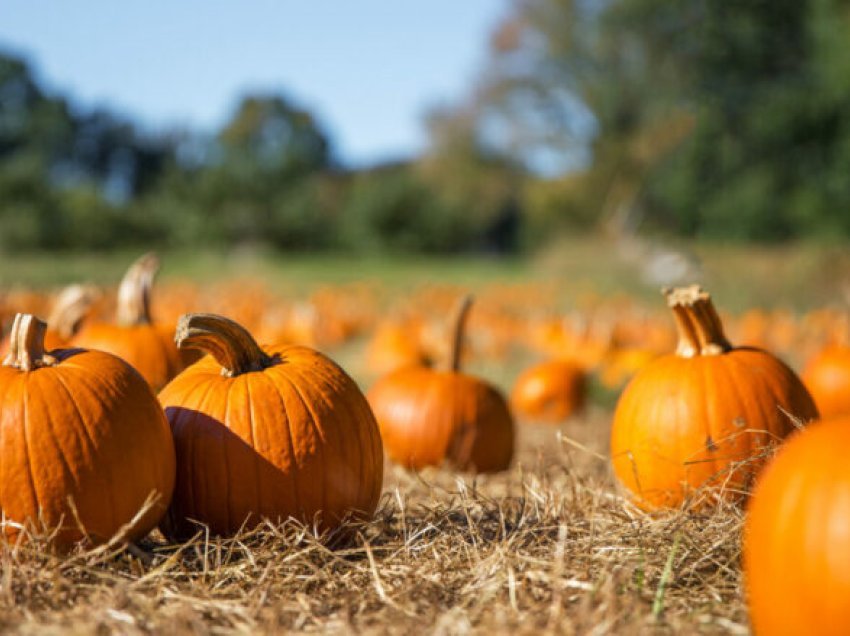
point(701, 117)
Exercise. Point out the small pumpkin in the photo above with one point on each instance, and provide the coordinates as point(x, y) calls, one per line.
point(550, 391)
point(429, 416)
point(395, 345)
point(85, 445)
point(827, 376)
point(134, 336)
point(698, 420)
point(266, 433)
point(797, 536)
point(70, 308)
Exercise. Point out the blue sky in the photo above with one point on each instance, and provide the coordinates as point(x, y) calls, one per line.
point(369, 69)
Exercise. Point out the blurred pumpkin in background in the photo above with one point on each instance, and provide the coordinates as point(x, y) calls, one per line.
point(431, 416)
point(149, 347)
point(550, 391)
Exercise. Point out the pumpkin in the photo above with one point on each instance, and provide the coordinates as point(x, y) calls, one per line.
point(620, 365)
point(70, 308)
point(86, 450)
point(266, 433)
point(395, 345)
point(430, 416)
point(827, 376)
point(134, 336)
point(550, 391)
point(797, 536)
point(697, 421)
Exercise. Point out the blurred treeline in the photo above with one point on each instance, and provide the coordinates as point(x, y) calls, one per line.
point(698, 118)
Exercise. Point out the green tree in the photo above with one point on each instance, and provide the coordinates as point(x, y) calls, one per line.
point(701, 117)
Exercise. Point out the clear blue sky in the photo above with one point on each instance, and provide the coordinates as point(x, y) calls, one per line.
point(368, 68)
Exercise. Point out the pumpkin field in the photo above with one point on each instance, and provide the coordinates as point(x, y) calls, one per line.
point(481, 317)
point(472, 465)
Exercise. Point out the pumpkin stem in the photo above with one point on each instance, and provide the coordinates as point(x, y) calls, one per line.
point(70, 308)
point(461, 313)
point(26, 344)
point(226, 340)
point(699, 326)
point(135, 291)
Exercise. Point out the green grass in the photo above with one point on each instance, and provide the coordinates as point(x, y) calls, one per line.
point(41, 270)
point(797, 276)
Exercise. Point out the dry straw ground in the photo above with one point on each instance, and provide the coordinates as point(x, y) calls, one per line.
point(549, 546)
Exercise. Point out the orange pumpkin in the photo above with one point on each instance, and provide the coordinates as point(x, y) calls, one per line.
point(85, 445)
point(396, 345)
point(134, 336)
point(797, 536)
point(266, 433)
point(429, 416)
point(698, 420)
point(550, 391)
point(827, 376)
point(72, 306)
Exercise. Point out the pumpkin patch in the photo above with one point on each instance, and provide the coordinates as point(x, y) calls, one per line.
point(274, 447)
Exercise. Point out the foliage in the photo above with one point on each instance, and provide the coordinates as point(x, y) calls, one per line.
point(698, 118)
point(703, 118)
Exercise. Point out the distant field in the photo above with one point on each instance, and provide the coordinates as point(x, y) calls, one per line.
point(795, 276)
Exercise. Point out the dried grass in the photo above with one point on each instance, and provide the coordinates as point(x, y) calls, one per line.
point(549, 546)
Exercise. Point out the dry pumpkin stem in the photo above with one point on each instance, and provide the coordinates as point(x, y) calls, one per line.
point(71, 306)
point(135, 291)
point(226, 340)
point(461, 314)
point(697, 322)
point(26, 344)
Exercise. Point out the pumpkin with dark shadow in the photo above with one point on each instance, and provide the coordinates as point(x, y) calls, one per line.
point(266, 433)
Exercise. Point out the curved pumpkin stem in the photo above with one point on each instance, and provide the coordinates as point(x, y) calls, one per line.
point(225, 340)
point(461, 313)
point(135, 291)
point(699, 326)
point(26, 344)
point(71, 306)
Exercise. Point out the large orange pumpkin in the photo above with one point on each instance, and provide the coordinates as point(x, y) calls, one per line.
point(797, 536)
point(430, 416)
point(85, 444)
point(266, 433)
point(699, 420)
point(827, 376)
point(133, 336)
point(550, 391)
